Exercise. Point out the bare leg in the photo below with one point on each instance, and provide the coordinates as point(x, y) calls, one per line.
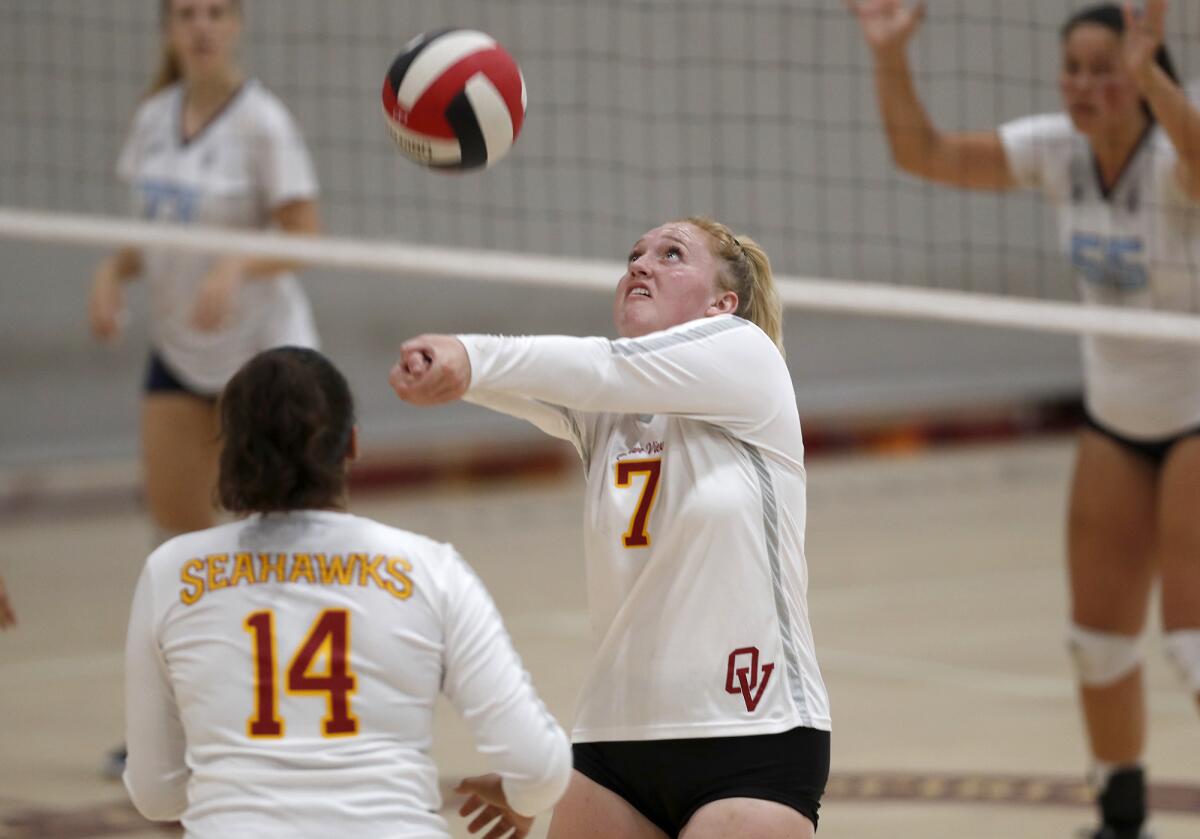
point(1179, 538)
point(591, 811)
point(747, 818)
point(179, 458)
point(1111, 560)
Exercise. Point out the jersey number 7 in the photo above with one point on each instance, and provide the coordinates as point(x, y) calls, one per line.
point(328, 639)
point(636, 536)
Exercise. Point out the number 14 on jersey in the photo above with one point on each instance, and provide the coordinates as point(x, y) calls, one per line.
point(327, 642)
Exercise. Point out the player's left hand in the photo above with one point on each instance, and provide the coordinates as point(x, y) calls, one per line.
point(1144, 32)
point(431, 370)
point(214, 300)
point(486, 796)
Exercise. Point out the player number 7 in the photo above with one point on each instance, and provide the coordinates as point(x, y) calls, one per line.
point(636, 536)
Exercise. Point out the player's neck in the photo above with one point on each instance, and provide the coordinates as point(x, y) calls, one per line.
point(1114, 148)
point(205, 95)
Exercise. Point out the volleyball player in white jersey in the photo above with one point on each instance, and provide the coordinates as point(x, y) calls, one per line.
point(282, 670)
point(1122, 165)
point(704, 707)
point(210, 147)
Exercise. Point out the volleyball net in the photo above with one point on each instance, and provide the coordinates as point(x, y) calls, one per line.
point(760, 113)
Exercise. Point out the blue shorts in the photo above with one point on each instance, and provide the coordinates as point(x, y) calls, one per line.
point(1154, 451)
point(160, 379)
point(667, 781)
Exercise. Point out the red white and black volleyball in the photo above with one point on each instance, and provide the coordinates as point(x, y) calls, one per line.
point(454, 99)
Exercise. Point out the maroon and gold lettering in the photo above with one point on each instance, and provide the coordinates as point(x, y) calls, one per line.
point(302, 566)
point(243, 569)
point(265, 721)
point(401, 585)
point(328, 640)
point(369, 568)
point(335, 569)
point(272, 565)
point(189, 575)
point(216, 571)
point(636, 536)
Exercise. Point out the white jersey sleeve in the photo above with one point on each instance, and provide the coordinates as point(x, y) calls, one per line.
point(1033, 146)
point(282, 158)
point(709, 369)
point(155, 772)
point(486, 683)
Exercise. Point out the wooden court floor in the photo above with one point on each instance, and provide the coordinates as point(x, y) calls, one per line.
point(938, 603)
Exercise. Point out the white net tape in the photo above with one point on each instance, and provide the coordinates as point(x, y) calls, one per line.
point(855, 298)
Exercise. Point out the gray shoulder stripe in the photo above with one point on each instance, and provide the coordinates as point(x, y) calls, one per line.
point(771, 537)
point(639, 346)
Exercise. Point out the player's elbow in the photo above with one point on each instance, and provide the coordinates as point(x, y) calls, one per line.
point(158, 796)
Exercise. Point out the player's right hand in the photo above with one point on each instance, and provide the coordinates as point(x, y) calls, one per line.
point(431, 370)
point(486, 796)
point(887, 24)
point(106, 307)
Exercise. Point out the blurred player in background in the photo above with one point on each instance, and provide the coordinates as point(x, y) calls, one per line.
point(209, 147)
point(704, 713)
point(282, 670)
point(1122, 165)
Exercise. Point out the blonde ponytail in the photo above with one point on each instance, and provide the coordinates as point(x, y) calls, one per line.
point(746, 271)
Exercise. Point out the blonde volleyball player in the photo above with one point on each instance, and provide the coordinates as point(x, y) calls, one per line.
point(1122, 165)
point(704, 713)
point(282, 669)
point(208, 146)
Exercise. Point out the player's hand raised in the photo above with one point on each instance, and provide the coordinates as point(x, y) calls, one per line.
point(431, 370)
point(1144, 32)
point(887, 24)
point(485, 796)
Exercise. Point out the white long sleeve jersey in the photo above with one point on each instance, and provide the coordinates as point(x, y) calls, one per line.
point(281, 675)
point(693, 523)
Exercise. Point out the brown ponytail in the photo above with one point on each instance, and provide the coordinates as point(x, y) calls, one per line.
point(746, 271)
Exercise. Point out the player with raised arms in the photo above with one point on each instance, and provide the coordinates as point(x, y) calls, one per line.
point(704, 713)
point(1122, 165)
point(282, 669)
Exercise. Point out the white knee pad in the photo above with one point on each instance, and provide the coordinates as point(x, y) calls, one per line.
point(1102, 658)
point(1183, 649)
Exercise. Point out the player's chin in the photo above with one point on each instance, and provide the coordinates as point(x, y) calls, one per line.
point(636, 317)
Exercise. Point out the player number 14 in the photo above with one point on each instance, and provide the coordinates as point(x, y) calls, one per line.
point(328, 641)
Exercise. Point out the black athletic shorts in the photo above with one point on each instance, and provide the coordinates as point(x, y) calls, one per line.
point(1155, 451)
point(667, 781)
point(160, 379)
